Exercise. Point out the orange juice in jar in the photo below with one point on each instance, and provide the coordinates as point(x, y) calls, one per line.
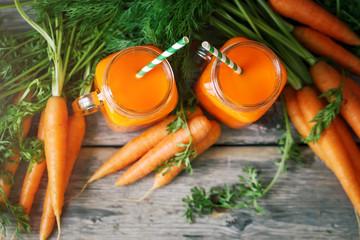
point(240, 99)
point(126, 102)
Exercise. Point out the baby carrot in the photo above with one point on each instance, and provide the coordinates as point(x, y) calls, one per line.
point(331, 143)
point(310, 13)
point(299, 122)
point(55, 142)
point(164, 150)
point(326, 77)
point(33, 175)
point(76, 133)
point(166, 175)
point(322, 45)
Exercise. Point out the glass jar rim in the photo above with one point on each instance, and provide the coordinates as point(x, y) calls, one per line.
point(248, 107)
point(114, 104)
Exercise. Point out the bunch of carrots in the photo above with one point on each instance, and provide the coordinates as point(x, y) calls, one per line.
point(62, 134)
point(322, 35)
point(155, 146)
point(67, 138)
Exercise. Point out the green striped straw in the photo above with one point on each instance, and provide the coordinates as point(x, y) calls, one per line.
point(222, 57)
point(162, 57)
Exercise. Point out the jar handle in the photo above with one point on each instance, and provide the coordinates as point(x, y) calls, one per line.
point(87, 104)
point(205, 58)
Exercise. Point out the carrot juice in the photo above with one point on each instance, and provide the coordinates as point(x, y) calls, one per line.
point(240, 99)
point(129, 103)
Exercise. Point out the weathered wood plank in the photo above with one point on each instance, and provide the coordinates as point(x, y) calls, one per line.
point(306, 203)
point(11, 19)
point(266, 130)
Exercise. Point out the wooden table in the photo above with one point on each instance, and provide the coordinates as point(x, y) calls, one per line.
point(307, 202)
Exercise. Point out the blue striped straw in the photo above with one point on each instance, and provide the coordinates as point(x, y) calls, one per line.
point(222, 57)
point(162, 57)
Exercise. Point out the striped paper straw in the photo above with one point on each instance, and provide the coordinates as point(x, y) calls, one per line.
point(163, 56)
point(222, 57)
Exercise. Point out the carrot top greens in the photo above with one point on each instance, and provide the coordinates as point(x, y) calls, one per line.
point(41, 63)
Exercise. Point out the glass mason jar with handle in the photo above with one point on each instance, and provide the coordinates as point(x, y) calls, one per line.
point(240, 99)
point(126, 102)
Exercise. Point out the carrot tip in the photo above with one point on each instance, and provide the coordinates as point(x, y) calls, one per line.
point(77, 195)
point(59, 228)
point(140, 199)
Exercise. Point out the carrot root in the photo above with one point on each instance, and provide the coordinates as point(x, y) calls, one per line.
point(310, 13)
point(59, 226)
point(140, 199)
point(326, 77)
point(164, 150)
point(324, 46)
point(56, 124)
point(332, 144)
point(165, 176)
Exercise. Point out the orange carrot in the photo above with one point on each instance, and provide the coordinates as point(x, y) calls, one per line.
point(299, 122)
point(310, 13)
point(349, 143)
point(137, 147)
point(48, 217)
point(326, 77)
point(12, 165)
point(355, 88)
point(331, 143)
point(76, 133)
point(322, 45)
point(164, 150)
point(33, 175)
point(166, 175)
point(55, 142)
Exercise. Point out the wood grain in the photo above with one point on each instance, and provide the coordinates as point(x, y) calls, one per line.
point(306, 203)
point(11, 19)
point(267, 130)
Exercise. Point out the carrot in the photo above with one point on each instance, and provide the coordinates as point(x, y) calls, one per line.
point(299, 122)
point(310, 13)
point(137, 147)
point(33, 175)
point(331, 143)
point(12, 165)
point(76, 133)
point(55, 142)
point(326, 77)
point(322, 45)
point(348, 140)
point(168, 147)
point(48, 217)
point(166, 175)
point(134, 149)
point(355, 88)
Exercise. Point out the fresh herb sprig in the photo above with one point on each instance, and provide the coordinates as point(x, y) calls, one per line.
point(325, 116)
point(246, 193)
point(189, 151)
point(240, 195)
